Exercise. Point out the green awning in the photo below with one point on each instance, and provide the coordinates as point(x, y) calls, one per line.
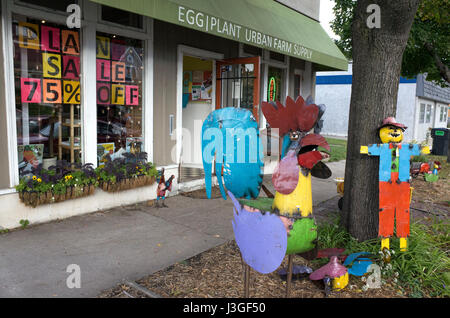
point(262, 23)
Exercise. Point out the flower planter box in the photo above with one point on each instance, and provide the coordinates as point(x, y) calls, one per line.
point(127, 184)
point(34, 199)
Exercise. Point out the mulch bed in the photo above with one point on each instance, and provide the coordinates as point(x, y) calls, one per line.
point(218, 273)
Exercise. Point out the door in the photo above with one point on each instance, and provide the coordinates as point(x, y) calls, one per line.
point(237, 83)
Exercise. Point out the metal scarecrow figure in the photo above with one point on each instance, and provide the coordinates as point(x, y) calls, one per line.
point(394, 180)
point(162, 188)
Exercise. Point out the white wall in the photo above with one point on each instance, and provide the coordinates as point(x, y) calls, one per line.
point(193, 116)
point(406, 106)
point(337, 100)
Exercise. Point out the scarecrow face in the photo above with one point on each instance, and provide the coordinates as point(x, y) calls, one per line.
point(391, 134)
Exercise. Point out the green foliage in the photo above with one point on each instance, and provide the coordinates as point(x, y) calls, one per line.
point(24, 223)
point(419, 271)
point(429, 37)
point(57, 179)
point(342, 25)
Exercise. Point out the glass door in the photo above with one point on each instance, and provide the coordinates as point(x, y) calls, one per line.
point(238, 83)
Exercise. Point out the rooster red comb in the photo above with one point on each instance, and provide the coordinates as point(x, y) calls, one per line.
point(292, 117)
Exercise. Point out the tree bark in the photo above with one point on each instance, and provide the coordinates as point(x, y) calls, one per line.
point(377, 59)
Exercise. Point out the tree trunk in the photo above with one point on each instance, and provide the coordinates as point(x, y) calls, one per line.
point(377, 59)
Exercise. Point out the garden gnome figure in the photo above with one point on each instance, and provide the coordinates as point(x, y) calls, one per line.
point(394, 180)
point(161, 189)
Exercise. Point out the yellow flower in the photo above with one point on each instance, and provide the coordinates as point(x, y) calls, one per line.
point(34, 177)
point(39, 180)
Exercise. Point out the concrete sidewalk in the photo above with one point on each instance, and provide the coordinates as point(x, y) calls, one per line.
point(121, 243)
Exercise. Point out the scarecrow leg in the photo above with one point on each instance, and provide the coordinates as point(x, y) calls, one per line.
point(403, 244)
point(385, 243)
point(289, 275)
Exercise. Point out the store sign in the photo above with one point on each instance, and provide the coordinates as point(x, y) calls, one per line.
point(111, 73)
point(211, 24)
point(60, 64)
point(272, 91)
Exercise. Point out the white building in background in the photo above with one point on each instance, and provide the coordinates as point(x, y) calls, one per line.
point(421, 105)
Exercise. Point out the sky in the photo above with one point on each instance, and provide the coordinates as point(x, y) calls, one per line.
point(326, 16)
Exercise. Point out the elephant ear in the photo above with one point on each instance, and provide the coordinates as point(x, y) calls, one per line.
point(242, 175)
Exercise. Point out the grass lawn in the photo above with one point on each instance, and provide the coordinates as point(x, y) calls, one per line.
point(338, 149)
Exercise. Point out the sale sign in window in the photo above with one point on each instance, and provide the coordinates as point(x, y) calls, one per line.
point(120, 69)
point(48, 90)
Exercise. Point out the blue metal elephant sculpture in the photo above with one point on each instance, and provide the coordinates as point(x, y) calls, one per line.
point(230, 137)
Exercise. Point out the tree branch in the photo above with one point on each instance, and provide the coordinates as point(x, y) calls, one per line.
point(443, 69)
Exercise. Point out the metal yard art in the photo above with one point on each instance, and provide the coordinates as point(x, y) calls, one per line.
point(267, 229)
point(394, 180)
point(162, 188)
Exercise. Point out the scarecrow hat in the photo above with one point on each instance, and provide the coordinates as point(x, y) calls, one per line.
point(390, 121)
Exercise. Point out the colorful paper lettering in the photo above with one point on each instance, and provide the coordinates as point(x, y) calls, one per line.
point(29, 36)
point(71, 67)
point(118, 49)
point(72, 92)
point(103, 93)
point(31, 90)
point(103, 49)
point(118, 94)
point(118, 71)
point(52, 65)
point(70, 42)
point(50, 39)
point(132, 94)
point(103, 70)
point(52, 91)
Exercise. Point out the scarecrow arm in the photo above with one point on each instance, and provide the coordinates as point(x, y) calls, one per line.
point(371, 150)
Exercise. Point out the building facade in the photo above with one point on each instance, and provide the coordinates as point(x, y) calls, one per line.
point(140, 74)
point(421, 105)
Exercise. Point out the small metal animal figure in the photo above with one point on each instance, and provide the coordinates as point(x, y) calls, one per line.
point(161, 189)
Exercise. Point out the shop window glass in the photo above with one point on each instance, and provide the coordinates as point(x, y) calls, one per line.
point(277, 57)
point(120, 71)
point(428, 115)
point(275, 85)
point(122, 17)
point(443, 114)
point(422, 114)
point(297, 85)
point(60, 5)
point(47, 92)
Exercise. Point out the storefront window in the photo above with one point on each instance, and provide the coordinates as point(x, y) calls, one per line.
point(120, 71)
point(48, 92)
